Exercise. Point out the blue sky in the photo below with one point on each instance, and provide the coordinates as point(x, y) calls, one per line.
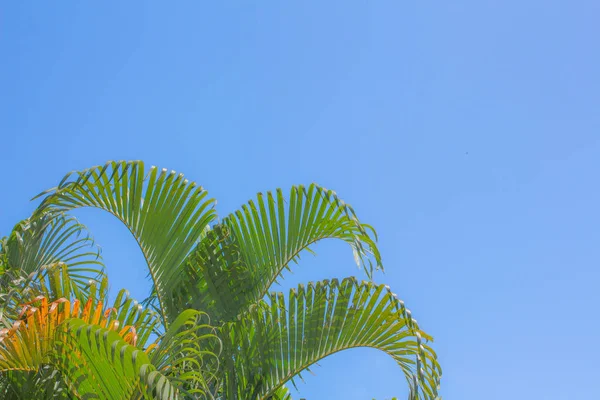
point(466, 132)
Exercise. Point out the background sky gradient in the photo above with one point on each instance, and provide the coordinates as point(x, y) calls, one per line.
point(466, 132)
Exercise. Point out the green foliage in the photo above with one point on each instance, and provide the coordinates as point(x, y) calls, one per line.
point(277, 339)
point(34, 252)
point(217, 332)
point(165, 213)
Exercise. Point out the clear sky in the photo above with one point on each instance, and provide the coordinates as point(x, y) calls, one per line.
point(466, 132)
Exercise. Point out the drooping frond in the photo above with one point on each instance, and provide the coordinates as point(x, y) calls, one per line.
point(28, 343)
point(181, 364)
point(48, 239)
point(98, 363)
point(277, 340)
point(41, 344)
point(240, 258)
point(164, 211)
point(51, 281)
point(54, 283)
point(188, 354)
point(66, 336)
point(37, 245)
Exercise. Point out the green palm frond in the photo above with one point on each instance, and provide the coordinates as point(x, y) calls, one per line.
point(38, 244)
point(216, 330)
point(28, 343)
point(129, 312)
point(54, 283)
point(44, 344)
point(216, 277)
point(98, 363)
point(47, 239)
point(188, 354)
point(164, 211)
point(240, 259)
point(277, 340)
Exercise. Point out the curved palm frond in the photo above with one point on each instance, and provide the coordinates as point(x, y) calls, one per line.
point(130, 313)
point(98, 363)
point(48, 239)
point(164, 211)
point(27, 346)
point(35, 352)
point(222, 271)
point(51, 281)
point(276, 341)
point(188, 354)
point(101, 363)
point(54, 284)
point(91, 353)
point(34, 246)
point(28, 343)
point(240, 259)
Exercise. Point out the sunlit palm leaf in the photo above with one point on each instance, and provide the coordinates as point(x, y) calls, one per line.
point(223, 271)
point(188, 354)
point(98, 363)
point(28, 343)
point(241, 258)
point(37, 343)
point(55, 283)
point(52, 281)
point(38, 243)
point(164, 212)
point(49, 239)
point(278, 340)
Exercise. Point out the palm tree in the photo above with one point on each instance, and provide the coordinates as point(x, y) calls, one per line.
point(210, 328)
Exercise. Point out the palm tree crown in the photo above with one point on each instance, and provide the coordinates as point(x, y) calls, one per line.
point(211, 328)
